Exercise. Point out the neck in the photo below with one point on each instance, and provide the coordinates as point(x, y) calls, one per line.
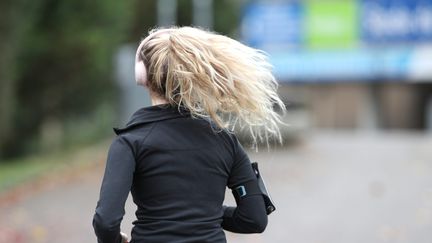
point(157, 100)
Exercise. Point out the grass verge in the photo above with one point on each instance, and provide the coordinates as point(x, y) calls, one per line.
point(25, 170)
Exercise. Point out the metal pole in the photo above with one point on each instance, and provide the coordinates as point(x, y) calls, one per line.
point(166, 12)
point(203, 13)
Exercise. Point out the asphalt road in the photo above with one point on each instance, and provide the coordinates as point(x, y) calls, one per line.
point(330, 188)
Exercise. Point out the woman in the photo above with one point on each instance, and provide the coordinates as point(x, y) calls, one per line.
point(178, 155)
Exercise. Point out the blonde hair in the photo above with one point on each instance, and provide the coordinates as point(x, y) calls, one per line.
point(212, 76)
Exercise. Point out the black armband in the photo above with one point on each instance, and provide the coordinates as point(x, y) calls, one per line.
point(246, 189)
point(255, 187)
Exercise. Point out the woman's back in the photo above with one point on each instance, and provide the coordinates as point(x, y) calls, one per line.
point(190, 165)
point(181, 167)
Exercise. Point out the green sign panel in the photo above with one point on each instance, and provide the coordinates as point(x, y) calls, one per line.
point(331, 23)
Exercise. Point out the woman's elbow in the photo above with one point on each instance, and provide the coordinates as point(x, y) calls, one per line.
point(104, 224)
point(260, 224)
point(255, 223)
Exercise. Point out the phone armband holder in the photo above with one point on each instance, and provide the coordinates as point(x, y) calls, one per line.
point(255, 188)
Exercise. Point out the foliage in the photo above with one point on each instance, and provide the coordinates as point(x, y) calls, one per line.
point(65, 64)
point(56, 66)
point(13, 27)
point(227, 16)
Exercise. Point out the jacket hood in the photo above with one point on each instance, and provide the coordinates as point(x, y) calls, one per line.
point(152, 114)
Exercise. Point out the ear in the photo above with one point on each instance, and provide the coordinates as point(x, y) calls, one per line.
point(140, 73)
point(140, 68)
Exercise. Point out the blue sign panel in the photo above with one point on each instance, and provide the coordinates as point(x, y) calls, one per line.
point(315, 66)
point(392, 21)
point(343, 65)
point(272, 25)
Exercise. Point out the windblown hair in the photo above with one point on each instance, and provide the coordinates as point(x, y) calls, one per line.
point(212, 76)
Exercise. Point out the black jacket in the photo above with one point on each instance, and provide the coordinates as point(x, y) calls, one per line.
point(177, 169)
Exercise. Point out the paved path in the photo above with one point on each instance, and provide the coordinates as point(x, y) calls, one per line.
point(331, 188)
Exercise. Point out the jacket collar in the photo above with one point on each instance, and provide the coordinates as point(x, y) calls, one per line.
point(152, 114)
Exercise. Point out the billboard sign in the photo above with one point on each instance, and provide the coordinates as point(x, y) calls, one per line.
point(335, 40)
point(272, 25)
point(390, 21)
point(331, 23)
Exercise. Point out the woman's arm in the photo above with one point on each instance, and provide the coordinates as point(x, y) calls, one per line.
point(115, 188)
point(250, 215)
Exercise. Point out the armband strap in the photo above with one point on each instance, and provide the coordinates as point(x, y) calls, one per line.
point(270, 207)
point(246, 189)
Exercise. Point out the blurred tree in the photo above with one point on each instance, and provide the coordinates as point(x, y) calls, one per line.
point(227, 16)
point(14, 22)
point(144, 18)
point(65, 63)
point(184, 12)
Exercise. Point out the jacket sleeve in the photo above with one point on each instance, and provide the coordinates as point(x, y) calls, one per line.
point(249, 216)
point(116, 184)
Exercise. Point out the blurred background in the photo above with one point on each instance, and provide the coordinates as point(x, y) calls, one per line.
point(356, 76)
